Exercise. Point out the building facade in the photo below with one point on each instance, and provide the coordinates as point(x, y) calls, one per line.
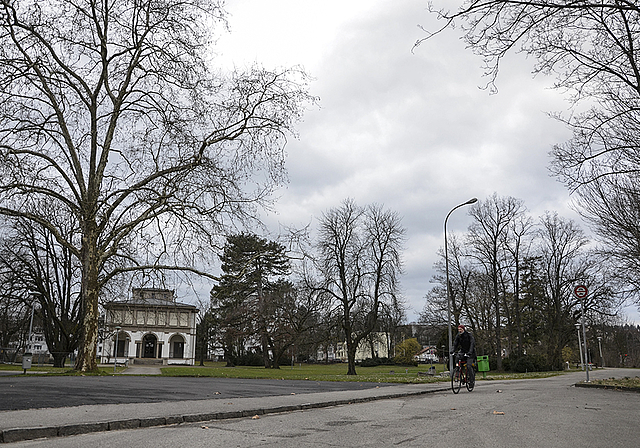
point(151, 328)
point(380, 348)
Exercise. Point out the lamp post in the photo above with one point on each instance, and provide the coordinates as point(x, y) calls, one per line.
point(581, 292)
point(446, 264)
point(600, 347)
point(584, 341)
point(580, 346)
point(115, 351)
point(33, 305)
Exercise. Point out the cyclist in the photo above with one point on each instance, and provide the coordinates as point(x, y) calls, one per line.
point(467, 345)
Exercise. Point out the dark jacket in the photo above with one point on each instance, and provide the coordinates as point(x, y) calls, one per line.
point(465, 342)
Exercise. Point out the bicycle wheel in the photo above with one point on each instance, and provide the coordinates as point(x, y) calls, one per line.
point(456, 382)
point(471, 380)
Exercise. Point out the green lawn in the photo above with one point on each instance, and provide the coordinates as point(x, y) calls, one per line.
point(335, 372)
point(310, 372)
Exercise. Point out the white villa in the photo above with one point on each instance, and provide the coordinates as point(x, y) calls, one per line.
point(151, 328)
point(380, 344)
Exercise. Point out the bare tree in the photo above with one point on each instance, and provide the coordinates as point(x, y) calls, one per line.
point(517, 246)
point(111, 112)
point(15, 311)
point(360, 262)
point(589, 46)
point(460, 277)
point(492, 220)
point(611, 205)
point(48, 272)
point(562, 244)
point(294, 313)
point(392, 316)
point(591, 50)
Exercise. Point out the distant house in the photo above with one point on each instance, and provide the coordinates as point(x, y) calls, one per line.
point(154, 329)
point(428, 354)
point(326, 354)
point(380, 348)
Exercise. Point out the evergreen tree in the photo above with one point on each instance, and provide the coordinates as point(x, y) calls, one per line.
point(253, 270)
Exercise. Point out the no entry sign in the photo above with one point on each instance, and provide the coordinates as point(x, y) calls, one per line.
point(580, 291)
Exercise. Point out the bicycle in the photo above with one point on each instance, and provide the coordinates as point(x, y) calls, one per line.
point(459, 375)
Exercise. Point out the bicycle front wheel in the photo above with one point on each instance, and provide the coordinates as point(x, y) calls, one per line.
point(456, 381)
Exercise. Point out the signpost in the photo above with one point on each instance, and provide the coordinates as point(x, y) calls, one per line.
point(581, 293)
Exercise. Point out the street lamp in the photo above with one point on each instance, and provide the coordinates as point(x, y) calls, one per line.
point(584, 341)
point(115, 351)
point(446, 264)
point(580, 346)
point(600, 347)
point(33, 305)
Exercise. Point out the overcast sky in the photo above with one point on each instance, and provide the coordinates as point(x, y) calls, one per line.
point(409, 128)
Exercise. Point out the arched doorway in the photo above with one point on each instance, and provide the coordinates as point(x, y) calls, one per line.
point(122, 341)
point(149, 343)
point(176, 347)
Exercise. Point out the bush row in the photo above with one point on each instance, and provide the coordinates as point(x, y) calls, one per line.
point(527, 363)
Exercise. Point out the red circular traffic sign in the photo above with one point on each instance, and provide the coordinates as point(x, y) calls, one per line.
point(580, 291)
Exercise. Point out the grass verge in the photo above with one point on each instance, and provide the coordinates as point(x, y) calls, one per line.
point(626, 383)
point(334, 372)
point(309, 372)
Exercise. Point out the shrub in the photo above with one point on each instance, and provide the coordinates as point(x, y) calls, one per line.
point(506, 364)
point(249, 359)
point(524, 364)
point(370, 362)
point(540, 362)
point(493, 363)
point(406, 351)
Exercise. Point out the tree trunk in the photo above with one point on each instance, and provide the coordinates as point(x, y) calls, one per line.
point(351, 354)
point(228, 355)
point(203, 350)
point(351, 360)
point(86, 361)
point(351, 347)
point(276, 360)
point(265, 351)
point(59, 359)
point(498, 336)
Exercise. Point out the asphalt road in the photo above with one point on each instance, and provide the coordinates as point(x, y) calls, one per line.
point(548, 412)
point(41, 391)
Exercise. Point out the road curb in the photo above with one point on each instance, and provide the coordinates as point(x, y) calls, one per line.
point(21, 434)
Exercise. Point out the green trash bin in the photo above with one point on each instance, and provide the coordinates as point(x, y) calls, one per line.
point(483, 365)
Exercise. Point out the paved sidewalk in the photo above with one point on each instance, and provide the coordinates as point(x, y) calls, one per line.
point(55, 422)
point(133, 369)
